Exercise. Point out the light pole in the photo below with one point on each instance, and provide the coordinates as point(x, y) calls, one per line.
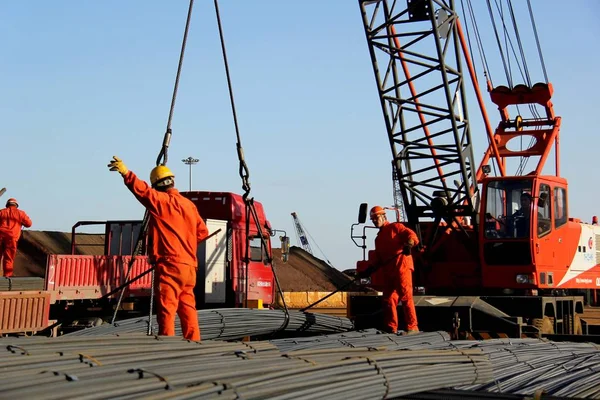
point(190, 161)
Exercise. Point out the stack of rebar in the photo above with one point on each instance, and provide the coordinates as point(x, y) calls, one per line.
point(146, 367)
point(453, 394)
point(524, 366)
point(521, 366)
point(370, 338)
point(345, 365)
point(236, 323)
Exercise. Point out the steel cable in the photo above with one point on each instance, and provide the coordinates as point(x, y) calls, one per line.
point(349, 365)
point(244, 173)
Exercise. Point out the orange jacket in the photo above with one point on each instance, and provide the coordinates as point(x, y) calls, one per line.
point(11, 220)
point(175, 226)
point(389, 243)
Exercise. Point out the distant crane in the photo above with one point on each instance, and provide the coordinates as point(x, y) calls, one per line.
point(303, 239)
point(300, 234)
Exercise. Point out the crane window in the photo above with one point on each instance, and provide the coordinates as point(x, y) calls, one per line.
point(560, 207)
point(544, 224)
point(508, 208)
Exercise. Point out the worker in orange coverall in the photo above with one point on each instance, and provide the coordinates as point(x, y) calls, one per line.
point(175, 229)
point(11, 221)
point(392, 257)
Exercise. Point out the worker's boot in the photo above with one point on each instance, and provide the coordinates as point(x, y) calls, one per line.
point(411, 332)
point(387, 329)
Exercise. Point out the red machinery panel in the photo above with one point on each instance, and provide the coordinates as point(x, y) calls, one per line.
point(23, 311)
point(377, 277)
point(73, 277)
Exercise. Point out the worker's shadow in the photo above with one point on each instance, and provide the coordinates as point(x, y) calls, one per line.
point(310, 321)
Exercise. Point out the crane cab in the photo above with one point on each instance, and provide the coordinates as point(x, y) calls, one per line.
point(528, 240)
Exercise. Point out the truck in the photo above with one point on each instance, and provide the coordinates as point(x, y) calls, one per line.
point(500, 254)
point(79, 290)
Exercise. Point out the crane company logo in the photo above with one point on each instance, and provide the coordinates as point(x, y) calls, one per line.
point(263, 284)
point(584, 280)
point(590, 243)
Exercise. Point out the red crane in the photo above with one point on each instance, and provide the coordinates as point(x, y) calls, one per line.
point(486, 232)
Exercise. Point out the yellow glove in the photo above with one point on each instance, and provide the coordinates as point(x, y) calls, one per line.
point(117, 165)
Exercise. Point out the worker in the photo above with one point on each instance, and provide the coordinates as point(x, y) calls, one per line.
point(520, 220)
point(175, 228)
point(11, 222)
point(521, 217)
point(392, 256)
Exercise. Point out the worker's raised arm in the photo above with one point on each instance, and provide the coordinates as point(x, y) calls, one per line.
point(25, 220)
point(140, 189)
point(202, 230)
point(143, 192)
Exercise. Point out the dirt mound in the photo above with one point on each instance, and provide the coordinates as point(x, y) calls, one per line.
point(34, 247)
point(304, 272)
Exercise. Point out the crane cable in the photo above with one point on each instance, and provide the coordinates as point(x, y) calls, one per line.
point(486, 69)
point(163, 155)
point(524, 70)
point(245, 176)
point(160, 160)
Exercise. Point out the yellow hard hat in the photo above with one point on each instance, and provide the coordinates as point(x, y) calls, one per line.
point(159, 174)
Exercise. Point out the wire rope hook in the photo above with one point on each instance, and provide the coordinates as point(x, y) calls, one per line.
point(162, 159)
point(245, 176)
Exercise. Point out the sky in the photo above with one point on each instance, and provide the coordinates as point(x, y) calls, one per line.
point(83, 81)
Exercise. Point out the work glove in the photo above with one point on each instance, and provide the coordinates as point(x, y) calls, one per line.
point(366, 273)
point(116, 164)
point(407, 247)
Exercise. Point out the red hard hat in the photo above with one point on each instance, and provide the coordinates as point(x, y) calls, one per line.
point(12, 202)
point(377, 210)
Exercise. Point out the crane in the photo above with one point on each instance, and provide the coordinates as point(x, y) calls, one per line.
point(479, 233)
point(300, 235)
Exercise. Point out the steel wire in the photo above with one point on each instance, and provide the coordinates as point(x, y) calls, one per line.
point(235, 323)
point(143, 366)
point(343, 365)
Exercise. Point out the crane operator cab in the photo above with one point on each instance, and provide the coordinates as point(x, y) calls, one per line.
point(509, 210)
point(520, 216)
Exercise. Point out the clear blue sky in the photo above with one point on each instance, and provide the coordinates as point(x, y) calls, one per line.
point(82, 81)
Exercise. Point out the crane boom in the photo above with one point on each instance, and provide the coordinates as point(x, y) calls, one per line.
point(425, 108)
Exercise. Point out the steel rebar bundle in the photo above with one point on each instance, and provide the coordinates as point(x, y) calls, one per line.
point(370, 338)
point(521, 366)
point(133, 366)
point(345, 365)
point(235, 323)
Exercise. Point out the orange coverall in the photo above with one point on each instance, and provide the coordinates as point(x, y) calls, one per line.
point(11, 220)
point(397, 268)
point(175, 228)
